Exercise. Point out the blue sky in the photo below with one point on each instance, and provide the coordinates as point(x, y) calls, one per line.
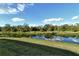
point(36, 14)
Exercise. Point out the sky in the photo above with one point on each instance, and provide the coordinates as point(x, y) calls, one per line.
point(36, 14)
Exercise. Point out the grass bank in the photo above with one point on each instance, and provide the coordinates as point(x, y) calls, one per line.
point(47, 34)
point(67, 34)
point(28, 46)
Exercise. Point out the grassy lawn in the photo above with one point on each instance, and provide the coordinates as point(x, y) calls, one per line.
point(32, 47)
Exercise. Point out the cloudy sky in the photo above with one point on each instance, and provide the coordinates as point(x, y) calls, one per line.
point(38, 14)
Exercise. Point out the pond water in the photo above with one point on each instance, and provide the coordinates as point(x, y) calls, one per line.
point(58, 38)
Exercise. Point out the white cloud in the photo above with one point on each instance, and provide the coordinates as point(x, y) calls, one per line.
point(8, 11)
point(12, 8)
point(2, 11)
point(52, 20)
point(33, 25)
point(17, 19)
point(2, 25)
point(75, 17)
point(20, 7)
point(29, 5)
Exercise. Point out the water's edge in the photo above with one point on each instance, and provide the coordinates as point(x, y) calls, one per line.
point(58, 38)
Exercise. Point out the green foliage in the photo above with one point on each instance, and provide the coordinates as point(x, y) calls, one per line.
point(47, 30)
point(46, 27)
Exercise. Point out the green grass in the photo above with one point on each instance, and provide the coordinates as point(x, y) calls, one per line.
point(32, 47)
point(26, 34)
point(39, 33)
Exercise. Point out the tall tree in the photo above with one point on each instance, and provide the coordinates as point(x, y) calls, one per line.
point(7, 27)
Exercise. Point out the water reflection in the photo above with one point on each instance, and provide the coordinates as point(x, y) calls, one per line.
point(58, 38)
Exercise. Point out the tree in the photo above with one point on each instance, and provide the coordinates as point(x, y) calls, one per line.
point(35, 29)
point(64, 27)
point(26, 28)
point(46, 27)
point(6, 28)
point(0, 28)
point(19, 28)
point(13, 29)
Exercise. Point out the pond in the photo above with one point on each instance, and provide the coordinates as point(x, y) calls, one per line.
point(58, 38)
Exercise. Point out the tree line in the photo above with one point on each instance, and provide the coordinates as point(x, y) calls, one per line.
point(46, 27)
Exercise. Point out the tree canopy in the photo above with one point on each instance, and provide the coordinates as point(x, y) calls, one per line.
point(46, 27)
